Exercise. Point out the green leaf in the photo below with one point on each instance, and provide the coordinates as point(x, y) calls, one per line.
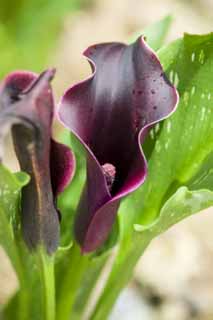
point(181, 205)
point(33, 290)
point(179, 150)
point(10, 187)
point(204, 177)
point(156, 33)
point(181, 153)
point(10, 191)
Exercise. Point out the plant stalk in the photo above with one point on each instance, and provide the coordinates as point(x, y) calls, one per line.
point(119, 277)
point(47, 276)
point(71, 283)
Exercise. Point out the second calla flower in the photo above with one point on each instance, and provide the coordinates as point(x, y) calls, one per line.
point(110, 113)
point(27, 107)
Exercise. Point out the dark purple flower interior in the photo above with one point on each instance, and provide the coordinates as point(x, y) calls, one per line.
point(110, 113)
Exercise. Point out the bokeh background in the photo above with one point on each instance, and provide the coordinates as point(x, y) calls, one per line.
point(174, 280)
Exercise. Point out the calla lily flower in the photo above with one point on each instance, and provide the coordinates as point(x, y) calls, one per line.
point(111, 112)
point(27, 107)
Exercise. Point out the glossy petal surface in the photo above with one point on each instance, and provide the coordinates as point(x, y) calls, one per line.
point(110, 113)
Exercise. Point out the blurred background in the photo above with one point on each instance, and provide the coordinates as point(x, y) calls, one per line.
point(174, 280)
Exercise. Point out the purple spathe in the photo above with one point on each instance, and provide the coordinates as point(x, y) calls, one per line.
point(111, 113)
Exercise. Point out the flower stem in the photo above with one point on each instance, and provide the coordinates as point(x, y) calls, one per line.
point(119, 277)
point(85, 294)
point(23, 296)
point(71, 282)
point(47, 276)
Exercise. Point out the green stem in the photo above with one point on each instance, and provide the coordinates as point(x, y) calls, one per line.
point(23, 296)
point(70, 284)
point(119, 277)
point(88, 284)
point(46, 268)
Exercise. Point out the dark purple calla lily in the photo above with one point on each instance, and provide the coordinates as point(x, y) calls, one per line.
point(27, 106)
point(111, 113)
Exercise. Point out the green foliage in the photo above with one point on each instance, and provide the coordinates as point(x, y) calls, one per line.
point(179, 148)
point(10, 191)
point(29, 31)
point(180, 205)
point(179, 182)
point(10, 187)
point(156, 33)
point(31, 285)
point(181, 156)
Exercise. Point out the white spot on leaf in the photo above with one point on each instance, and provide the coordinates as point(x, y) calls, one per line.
point(193, 90)
point(193, 56)
point(201, 56)
point(171, 74)
point(169, 126)
point(176, 80)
